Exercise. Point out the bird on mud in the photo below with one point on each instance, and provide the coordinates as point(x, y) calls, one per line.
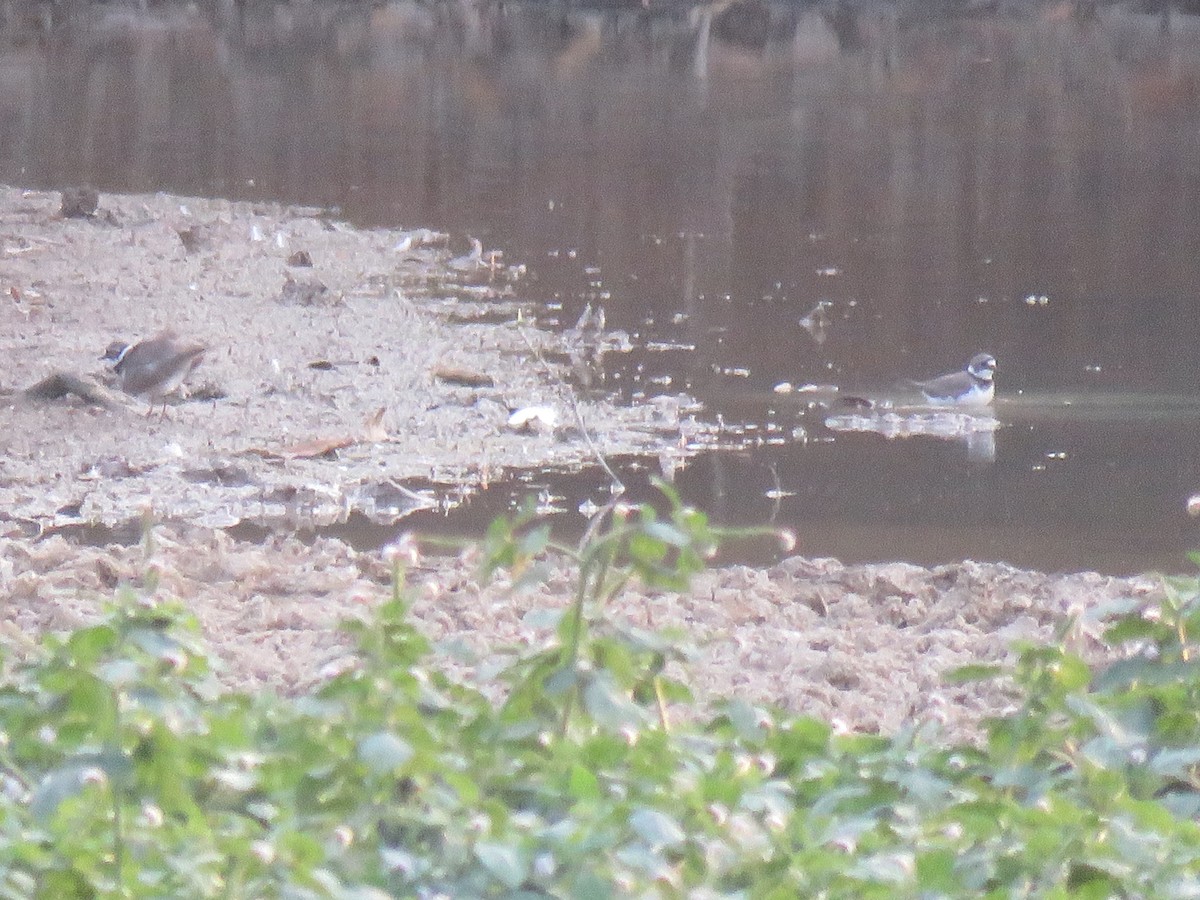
point(974, 386)
point(155, 367)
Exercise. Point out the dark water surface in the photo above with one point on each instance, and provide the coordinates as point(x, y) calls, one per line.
point(1025, 181)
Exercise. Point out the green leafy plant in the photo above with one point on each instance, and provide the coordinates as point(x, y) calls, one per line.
point(126, 772)
point(609, 671)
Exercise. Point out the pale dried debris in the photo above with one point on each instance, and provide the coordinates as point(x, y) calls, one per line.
point(871, 653)
point(397, 322)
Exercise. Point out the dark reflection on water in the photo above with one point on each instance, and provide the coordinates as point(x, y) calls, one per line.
point(1022, 183)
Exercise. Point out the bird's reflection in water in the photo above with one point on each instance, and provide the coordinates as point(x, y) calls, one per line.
point(975, 431)
point(981, 445)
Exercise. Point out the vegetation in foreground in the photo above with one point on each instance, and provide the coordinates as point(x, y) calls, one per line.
point(124, 771)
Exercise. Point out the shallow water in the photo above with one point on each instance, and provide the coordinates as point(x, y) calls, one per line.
point(1053, 497)
point(760, 194)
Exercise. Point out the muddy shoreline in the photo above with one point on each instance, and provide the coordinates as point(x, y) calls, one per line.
point(863, 646)
point(347, 369)
point(379, 379)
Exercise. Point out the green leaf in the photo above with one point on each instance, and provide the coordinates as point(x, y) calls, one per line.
point(1127, 728)
point(402, 862)
point(235, 779)
point(67, 884)
point(972, 672)
point(533, 542)
point(1177, 763)
point(646, 550)
point(1071, 672)
point(56, 787)
point(505, 863)
point(657, 829)
point(1184, 805)
point(608, 705)
point(1088, 881)
point(70, 779)
point(774, 798)
point(669, 534)
point(802, 737)
point(590, 886)
point(886, 868)
point(924, 786)
point(155, 641)
point(846, 830)
point(605, 750)
point(1126, 672)
point(1105, 753)
point(87, 645)
point(936, 872)
point(119, 673)
point(747, 720)
point(1133, 628)
point(561, 680)
point(384, 752)
point(583, 784)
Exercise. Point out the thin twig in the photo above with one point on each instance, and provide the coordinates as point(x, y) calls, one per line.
point(778, 499)
point(618, 486)
point(595, 522)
